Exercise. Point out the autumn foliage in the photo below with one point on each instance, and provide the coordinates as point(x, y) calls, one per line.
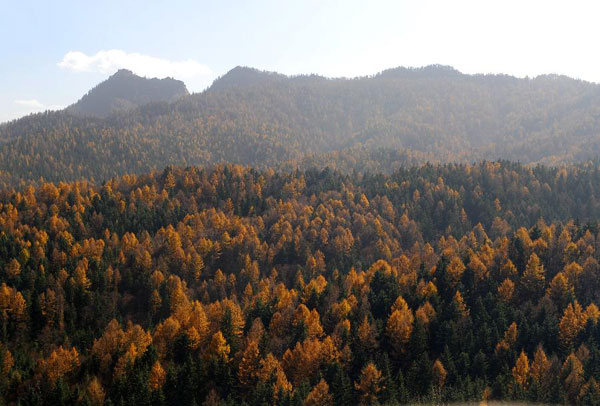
point(229, 285)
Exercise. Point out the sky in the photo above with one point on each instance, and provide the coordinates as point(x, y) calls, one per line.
point(53, 52)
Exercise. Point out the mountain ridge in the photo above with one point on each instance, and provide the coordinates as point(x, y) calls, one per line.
point(263, 119)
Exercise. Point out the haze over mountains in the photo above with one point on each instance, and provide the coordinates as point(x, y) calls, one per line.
point(399, 117)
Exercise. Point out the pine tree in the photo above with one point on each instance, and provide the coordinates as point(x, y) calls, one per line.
point(341, 386)
point(389, 394)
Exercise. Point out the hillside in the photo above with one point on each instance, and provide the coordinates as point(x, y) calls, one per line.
point(437, 284)
point(399, 117)
point(125, 91)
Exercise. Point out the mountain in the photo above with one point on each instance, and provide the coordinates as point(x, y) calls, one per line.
point(434, 283)
point(396, 118)
point(125, 91)
point(245, 76)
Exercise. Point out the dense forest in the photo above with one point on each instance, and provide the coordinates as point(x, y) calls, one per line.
point(226, 285)
point(394, 119)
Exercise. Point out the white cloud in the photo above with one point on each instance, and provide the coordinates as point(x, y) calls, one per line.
point(111, 60)
point(29, 103)
point(29, 106)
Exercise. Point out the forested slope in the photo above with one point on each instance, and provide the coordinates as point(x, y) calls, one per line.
point(262, 119)
point(228, 285)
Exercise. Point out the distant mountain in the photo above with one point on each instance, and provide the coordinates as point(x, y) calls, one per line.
point(125, 91)
point(245, 76)
point(426, 72)
point(399, 117)
point(242, 76)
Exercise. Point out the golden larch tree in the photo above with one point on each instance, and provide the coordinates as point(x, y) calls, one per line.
point(521, 370)
point(425, 313)
point(13, 269)
point(571, 323)
point(506, 290)
point(367, 335)
point(478, 267)
point(369, 384)
point(592, 313)
point(218, 349)
point(540, 367)
point(319, 395)
point(572, 376)
point(439, 373)
point(95, 392)
point(157, 376)
point(460, 304)
point(60, 363)
point(509, 340)
point(533, 277)
point(455, 270)
point(399, 327)
point(559, 290)
point(249, 364)
point(271, 368)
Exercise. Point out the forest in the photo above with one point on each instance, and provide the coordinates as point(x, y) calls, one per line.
point(229, 285)
point(397, 118)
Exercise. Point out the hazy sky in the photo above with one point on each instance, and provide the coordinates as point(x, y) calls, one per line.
point(52, 52)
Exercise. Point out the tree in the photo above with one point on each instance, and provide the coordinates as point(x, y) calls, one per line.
point(270, 370)
point(540, 368)
point(520, 371)
point(533, 277)
point(439, 373)
point(506, 290)
point(13, 269)
point(399, 328)
point(212, 399)
point(218, 349)
point(478, 267)
point(572, 377)
point(455, 270)
point(460, 305)
point(95, 392)
point(571, 323)
point(12, 308)
point(559, 290)
point(249, 364)
point(369, 384)
point(592, 313)
point(157, 376)
point(590, 393)
point(367, 335)
point(425, 313)
point(509, 340)
point(60, 363)
point(319, 395)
